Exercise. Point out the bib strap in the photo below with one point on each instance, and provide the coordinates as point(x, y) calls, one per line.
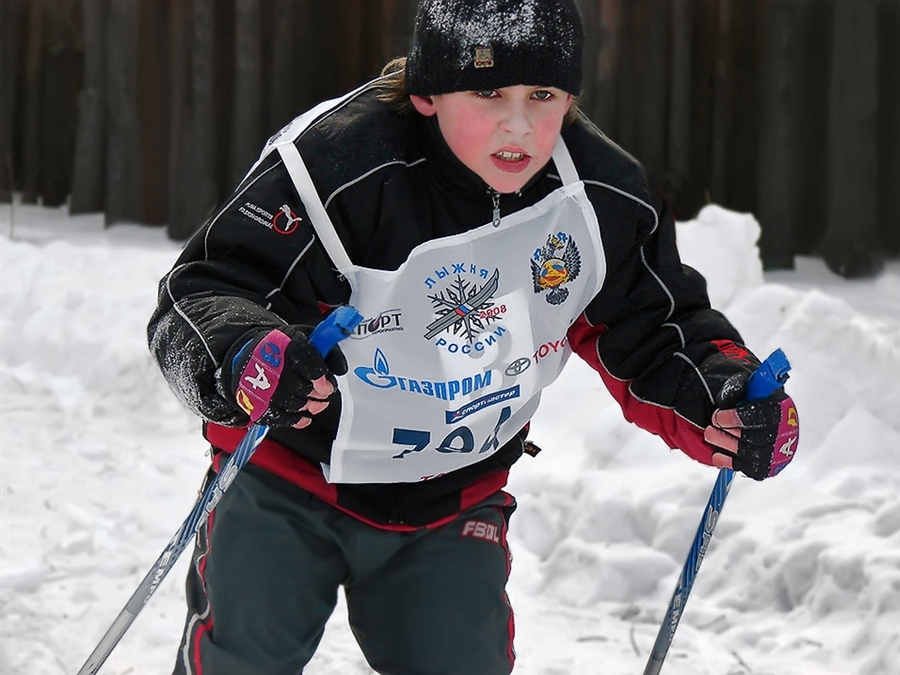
point(321, 222)
point(564, 164)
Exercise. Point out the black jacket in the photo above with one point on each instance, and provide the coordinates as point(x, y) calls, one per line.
point(389, 182)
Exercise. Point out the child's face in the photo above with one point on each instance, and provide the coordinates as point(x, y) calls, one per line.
point(504, 135)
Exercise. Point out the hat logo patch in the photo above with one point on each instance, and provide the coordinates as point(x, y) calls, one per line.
point(484, 57)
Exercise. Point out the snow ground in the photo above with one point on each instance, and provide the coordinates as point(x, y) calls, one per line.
point(99, 465)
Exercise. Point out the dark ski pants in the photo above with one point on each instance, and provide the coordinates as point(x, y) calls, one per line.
point(269, 561)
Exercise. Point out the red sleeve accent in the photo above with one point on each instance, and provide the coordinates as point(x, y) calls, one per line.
point(675, 430)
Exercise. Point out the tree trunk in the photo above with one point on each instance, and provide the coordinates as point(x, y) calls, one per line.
point(89, 165)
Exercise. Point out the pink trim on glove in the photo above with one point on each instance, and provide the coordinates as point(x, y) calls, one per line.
point(261, 374)
point(786, 440)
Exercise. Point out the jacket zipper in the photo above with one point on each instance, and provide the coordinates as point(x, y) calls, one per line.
point(495, 198)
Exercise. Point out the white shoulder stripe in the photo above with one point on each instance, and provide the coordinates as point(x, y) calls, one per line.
point(630, 196)
point(712, 398)
point(291, 268)
point(369, 173)
point(186, 318)
point(655, 226)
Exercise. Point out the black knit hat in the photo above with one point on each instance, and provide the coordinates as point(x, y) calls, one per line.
point(475, 45)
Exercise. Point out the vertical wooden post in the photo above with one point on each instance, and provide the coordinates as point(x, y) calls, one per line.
point(12, 25)
point(194, 190)
point(630, 48)
point(286, 32)
point(776, 199)
point(603, 88)
point(398, 18)
point(202, 188)
point(849, 243)
point(153, 95)
point(594, 39)
point(123, 168)
point(223, 91)
point(810, 122)
point(703, 55)
point(31, 145)
point(653, 89)
point(346, 46)
point(60, 83)
point(179, 115)
point(889, 124)
point(745, 130)
point(89, 166)
point(246, 124)
point(723, 102)
point(678, 151)
point(735, 102)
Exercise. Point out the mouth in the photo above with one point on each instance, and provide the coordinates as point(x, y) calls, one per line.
point(507, 156)
point(511, 161)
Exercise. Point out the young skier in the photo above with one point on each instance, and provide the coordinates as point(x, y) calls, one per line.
point(485, 229)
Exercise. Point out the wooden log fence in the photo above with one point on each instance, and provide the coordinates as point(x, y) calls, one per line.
point(151, 110)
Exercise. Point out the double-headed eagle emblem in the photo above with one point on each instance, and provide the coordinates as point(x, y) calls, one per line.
point(555, 264)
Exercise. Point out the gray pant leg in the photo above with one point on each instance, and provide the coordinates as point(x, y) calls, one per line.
point(438, 605)
point(263, 581)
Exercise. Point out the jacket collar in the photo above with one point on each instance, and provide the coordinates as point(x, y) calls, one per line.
point(455, 175)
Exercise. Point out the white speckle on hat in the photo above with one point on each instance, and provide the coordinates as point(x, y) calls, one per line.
point(512, 27)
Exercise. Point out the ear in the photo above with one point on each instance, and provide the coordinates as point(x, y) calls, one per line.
point(424, 104)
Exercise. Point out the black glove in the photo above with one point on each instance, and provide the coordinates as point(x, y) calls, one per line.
point(279, 379)
point(757, 438)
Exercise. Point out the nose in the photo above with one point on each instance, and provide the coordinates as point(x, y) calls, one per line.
point(516, 119)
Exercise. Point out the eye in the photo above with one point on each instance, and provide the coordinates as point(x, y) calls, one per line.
point(487, 94)
point(543, 95)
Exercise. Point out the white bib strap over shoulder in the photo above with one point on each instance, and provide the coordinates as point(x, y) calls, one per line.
point(322, 224)
point(564, 164)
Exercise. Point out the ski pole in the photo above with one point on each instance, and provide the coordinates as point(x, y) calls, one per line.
point(334, 328)
point(771, 374)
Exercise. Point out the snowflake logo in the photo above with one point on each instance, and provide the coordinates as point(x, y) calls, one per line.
point(462, 308)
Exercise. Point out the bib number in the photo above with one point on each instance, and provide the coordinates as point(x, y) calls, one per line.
point(460, 440)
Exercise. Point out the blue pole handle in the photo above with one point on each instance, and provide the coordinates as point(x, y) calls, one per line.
point(769, 377)
point(334, 328)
